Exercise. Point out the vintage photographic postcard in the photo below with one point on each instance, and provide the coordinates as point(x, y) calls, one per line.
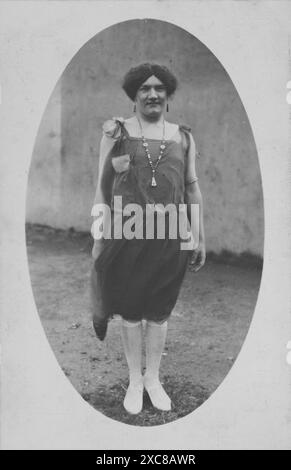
point(140, 106)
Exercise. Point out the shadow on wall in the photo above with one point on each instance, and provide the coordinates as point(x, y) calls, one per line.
point(64, 164)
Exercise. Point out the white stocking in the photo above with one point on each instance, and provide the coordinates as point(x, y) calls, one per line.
point(132, 343)
point(156, 334)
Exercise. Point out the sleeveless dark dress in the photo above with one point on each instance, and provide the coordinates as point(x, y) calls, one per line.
point(141, 278)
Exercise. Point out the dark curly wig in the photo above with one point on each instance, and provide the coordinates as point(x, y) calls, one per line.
point(136, 76)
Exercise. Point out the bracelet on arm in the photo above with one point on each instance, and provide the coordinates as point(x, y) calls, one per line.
point(193, 180)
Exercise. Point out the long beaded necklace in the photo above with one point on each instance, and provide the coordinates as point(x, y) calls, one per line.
point(146, 147)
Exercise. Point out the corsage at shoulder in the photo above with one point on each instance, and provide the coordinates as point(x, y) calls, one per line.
point(113, 127)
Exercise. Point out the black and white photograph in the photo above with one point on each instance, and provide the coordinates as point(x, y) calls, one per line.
point(150, 283)
point(179, 130)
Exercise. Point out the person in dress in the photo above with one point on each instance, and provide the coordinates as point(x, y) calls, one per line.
point(145, 160)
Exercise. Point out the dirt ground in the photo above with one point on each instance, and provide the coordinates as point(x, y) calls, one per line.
point(206, 329)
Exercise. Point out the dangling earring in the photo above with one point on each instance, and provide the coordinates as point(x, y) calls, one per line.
point(134, 108)
point(167, 107)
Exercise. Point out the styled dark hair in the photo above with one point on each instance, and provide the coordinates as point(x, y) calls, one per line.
point(136, 76)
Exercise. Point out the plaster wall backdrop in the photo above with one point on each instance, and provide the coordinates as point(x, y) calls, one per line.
point(64, 166)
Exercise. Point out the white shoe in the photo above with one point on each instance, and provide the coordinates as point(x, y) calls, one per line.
point(158, 396)
point(133, 399)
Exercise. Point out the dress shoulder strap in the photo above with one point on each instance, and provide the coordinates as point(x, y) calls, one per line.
point(184, 128)
point(123, 131)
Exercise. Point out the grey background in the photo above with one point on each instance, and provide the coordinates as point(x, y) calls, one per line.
point(64, 165)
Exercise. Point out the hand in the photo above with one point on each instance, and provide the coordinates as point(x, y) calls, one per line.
point(96, 250)
point(197, 258)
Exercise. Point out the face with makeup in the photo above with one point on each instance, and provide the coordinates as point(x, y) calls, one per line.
point(151, 99)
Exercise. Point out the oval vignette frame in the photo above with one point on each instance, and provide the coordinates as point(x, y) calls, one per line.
point(60, 193)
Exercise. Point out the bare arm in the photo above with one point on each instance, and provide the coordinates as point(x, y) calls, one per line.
point(104, 169)
point(103, 189)
point(193, 196)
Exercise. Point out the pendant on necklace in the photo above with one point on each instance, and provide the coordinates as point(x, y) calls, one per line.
point(148, 155)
